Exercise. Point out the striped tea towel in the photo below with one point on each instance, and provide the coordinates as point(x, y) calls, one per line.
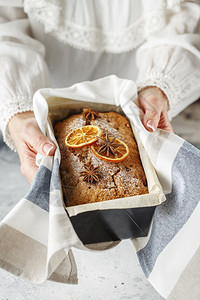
point(36, 237)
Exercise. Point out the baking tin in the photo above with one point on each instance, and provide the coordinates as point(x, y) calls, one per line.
point(116, 219)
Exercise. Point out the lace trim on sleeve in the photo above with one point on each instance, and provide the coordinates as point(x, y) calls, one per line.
point(7, 112)
point(165, 82)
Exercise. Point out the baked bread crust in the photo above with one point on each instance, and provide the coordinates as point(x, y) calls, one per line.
point(116, 180)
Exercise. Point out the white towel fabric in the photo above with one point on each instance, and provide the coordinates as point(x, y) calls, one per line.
point(36, 237)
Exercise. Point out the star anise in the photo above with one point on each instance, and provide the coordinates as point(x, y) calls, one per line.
point(108, 145)
point(90, 173)
point(90, 114)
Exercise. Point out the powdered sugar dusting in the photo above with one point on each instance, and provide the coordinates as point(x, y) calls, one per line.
point(116, 180)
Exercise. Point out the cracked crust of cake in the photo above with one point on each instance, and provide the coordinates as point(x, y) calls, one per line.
point(116, 180)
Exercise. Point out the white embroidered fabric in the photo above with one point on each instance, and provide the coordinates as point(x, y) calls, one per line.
point(174, 68)
point(23, 71)
point(70, 24)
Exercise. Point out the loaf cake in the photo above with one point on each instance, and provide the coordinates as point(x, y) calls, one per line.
point(85, 177)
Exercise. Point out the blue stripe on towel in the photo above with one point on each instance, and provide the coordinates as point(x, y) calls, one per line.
point(170, 216)
point(39, 192)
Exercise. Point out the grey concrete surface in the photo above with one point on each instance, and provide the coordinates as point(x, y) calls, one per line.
point(187, 124)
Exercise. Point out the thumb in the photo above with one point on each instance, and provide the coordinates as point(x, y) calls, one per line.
point(151, 119)
point(39, 143)
point(152, 109)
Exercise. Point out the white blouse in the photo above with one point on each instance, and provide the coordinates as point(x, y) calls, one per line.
point(61, 42)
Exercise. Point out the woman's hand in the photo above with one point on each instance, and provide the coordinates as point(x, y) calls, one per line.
point(154, 105)
point(29, 141)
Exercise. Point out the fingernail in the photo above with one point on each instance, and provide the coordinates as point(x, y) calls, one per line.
point(151, 125)
point(47, 148)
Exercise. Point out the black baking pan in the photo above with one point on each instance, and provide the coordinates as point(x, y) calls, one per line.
point(112, 224)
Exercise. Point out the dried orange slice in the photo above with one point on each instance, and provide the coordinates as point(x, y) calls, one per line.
point(83, 136)
point(117, 153)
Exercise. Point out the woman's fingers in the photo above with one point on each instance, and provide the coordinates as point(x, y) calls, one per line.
point(35, 139)
point(164, 123)
point(154, 105)
point(152, 111)
point(28, 167)
point(151, 118)
point(29, 141)
point(33, 142)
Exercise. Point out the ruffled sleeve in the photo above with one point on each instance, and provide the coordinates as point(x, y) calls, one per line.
point(170, 60)
point(23, 69)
